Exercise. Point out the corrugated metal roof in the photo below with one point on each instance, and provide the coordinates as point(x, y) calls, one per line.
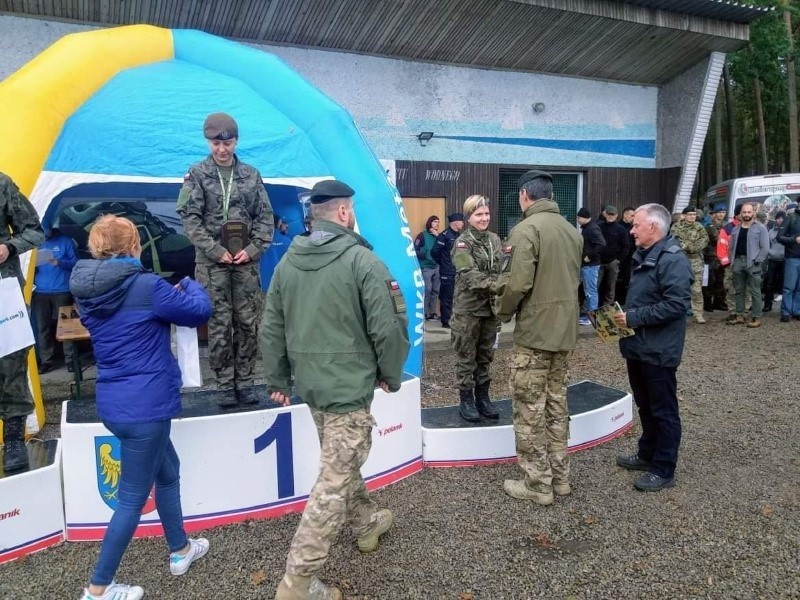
point(723, 10)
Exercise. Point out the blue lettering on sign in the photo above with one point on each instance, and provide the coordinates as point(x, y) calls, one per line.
point(280, 432)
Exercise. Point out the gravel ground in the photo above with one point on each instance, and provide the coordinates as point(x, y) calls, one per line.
point(729, 529)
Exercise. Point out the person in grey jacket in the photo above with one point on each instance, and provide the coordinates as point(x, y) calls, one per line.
point(658, 297)
point(774, 279)
point(748, 250)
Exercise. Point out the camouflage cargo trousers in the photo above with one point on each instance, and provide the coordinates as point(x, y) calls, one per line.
point(540, 413)
point(236, 296)
point(339, 492)
point(697, 286)
point(473, 339)
point(15, 395)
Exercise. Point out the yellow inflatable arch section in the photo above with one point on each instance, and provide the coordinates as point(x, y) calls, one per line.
point(37, 100)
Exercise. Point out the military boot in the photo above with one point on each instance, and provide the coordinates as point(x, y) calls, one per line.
point(15, 453)
point(467, 409)
point(482, 402)
point(298, 587)
point(540, 493)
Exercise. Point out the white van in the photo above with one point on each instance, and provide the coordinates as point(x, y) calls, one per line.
point(770, 193)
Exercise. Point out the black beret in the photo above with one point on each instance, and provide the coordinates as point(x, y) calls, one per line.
point(455, 217)
point(330, 188)
point(584, 213)
point(533, 175)
point(689, 209)
point(219, 126)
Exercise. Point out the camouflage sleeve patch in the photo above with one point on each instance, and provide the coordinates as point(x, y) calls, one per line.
point(462, 259)
point(396, 295)
point(186, 191)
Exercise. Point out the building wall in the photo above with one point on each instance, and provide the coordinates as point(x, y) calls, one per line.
point(477, 116)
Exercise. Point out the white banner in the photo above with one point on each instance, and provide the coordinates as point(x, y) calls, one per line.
point(15, 323)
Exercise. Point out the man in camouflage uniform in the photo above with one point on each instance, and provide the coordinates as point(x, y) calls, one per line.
point(540, 286)
point(20, 231)
point(335, 319)
point(716, 277)
point(217, 190)
point(477, 256)
point(693, 239)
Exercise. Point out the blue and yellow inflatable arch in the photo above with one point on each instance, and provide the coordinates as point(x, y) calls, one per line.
point(126, 105)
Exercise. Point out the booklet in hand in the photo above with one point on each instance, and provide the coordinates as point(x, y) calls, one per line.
point(603, 322)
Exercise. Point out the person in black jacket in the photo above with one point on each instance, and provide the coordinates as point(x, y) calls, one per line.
point(625, 265)
point(447, 272)
point(613, 254)
point(658, 297)
point(593, 244)
point(789, 236)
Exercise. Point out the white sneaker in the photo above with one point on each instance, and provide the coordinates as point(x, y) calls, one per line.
point(178, 565)
point(116, 591)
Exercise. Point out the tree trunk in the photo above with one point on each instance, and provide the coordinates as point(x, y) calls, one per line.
point(762, 133)
point(791, 82)
point(719, 176)
point(733, 154)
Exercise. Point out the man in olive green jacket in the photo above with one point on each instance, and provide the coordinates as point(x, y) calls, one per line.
point(335, 319)
point(539, 285)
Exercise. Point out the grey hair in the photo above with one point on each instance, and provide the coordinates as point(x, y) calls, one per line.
point(658, 215)
point(327, 210)
point(539, 188)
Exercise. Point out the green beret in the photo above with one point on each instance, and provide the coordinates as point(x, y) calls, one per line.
point(330, 188)
point(688, 209)
point(219, 126)
point(530, 175)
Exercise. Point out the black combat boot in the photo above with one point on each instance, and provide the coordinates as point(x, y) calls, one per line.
point(467, 409)
point(482, 402)
point(15, 454)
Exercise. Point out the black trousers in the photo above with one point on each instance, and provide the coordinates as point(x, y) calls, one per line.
point(45, 310)
point(655, 391)
point(773, 282)
point(446, 288)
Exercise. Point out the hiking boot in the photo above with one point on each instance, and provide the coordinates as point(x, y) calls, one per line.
point(116, 591)
point(248, 395)
point(467, 409)
point(785, 318)
point(650, 482)
point(754, 322)
point(735, 320)
point(562, 489)
point(15, 453)
point(381, 523)
point(227, 398)
point(517, 488)
point(633, 463)
point(483, 404)
point(298, 587)
point(700, 318)
point(178, 565)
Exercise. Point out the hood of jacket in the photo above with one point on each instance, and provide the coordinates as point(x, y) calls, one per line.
point(100, 286)
point(326, 243)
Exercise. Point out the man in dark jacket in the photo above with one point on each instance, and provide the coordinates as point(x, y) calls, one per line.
point(615, 252)
point(625, 265)
point(447, 272)
point(593, 244)
point(789, 236)
point(347, 335)
point(658, 298)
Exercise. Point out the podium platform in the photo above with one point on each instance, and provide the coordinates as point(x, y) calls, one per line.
point(236, 465)
point(598, 413)
point(31, 503)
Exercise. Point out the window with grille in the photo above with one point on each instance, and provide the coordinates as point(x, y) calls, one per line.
point(566, 192)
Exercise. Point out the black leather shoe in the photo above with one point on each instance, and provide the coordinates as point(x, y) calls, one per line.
point(483, 404)
point(45, 368)
point(467, 408)
point(15, 453)
point(650, 482)
point(247, 395)
point(633, 463)
point(785, 318)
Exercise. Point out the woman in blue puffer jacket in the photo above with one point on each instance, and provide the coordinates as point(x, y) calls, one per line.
point(128, 312)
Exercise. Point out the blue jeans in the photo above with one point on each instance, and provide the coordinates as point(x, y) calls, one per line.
point(589, 277)
point(147, 457)
point(790, 303)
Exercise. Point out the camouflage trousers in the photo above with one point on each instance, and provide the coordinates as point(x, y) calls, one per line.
point(540, 413)
point(339, 492)
point(15, 395)
point(237, 299)
point(473, 339)
point(697, 285)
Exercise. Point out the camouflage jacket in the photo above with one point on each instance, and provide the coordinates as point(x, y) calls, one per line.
point(693, 238)
point(20, 229)
point(200, 207)
point(478, 260)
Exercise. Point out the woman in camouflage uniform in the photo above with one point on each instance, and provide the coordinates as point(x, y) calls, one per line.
point(478, 260)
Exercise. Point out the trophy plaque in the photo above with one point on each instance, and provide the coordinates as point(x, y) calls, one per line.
point(234, 236)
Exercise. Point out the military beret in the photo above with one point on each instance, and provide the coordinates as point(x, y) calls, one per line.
point(611, 209)
point(330, 188)
point(584, 213)
point(455, 217)
point(688, 209)
point(720, 207)
point(219, 126)
point(530, 175)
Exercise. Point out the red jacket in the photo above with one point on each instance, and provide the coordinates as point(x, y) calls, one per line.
point(724, 240)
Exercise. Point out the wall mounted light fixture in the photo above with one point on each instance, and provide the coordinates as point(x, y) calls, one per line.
point(424, 137)
point(538, 107)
